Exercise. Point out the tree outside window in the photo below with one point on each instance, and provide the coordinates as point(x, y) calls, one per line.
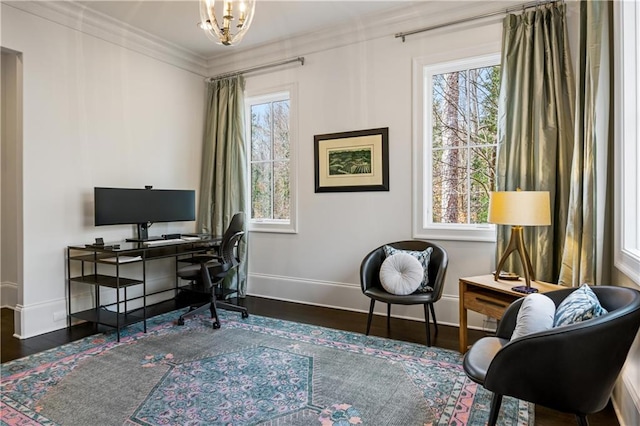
point(463, 126)
point(270, 159)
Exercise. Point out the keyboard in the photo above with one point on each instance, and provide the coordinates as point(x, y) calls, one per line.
point(154, 243)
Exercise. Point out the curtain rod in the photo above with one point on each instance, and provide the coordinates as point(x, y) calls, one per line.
point(473, 18)
point(257, 68)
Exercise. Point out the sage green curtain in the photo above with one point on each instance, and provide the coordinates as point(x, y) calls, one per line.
point(535, 127)
point(224, 166)
point(583, 250)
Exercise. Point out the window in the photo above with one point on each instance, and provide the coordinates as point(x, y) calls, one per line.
point(627, 156)
point(271, 161)
point(457, 137)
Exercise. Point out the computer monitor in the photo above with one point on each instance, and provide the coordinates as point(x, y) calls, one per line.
point(143, 207)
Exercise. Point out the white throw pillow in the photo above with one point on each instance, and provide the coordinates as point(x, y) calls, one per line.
point(401, 274)
point(536, 314)
point(423, 256)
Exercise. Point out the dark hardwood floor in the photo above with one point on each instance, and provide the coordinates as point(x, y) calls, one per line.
point(405, 330)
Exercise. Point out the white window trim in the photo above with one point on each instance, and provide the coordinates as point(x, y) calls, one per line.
point(289, 91)
point(422, 228)
point(627, 134)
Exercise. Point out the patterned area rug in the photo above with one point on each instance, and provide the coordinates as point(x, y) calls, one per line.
point(256, 371)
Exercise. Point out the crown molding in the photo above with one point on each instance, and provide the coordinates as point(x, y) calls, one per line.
point(78, 17)
point(415, 15)
point(386, 24)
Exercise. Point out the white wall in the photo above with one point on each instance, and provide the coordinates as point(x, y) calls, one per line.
point(95, 114)
point(356, 86)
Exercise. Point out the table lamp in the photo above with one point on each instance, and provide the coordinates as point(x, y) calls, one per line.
point(519, 209)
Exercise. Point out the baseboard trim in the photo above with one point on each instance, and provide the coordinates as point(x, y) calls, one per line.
point(8, 294)
point(36, 319)
point(39, 318)
point(348, 296)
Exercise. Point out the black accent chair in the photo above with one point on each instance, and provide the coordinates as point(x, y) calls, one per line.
point(572, 368)
point(207, 272)
point(372, 288)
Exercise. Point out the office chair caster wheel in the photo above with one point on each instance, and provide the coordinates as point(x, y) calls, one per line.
point(216, 325)
point(245, 315)
point(180, 321)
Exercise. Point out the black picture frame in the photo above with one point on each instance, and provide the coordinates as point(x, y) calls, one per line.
point(352, 161)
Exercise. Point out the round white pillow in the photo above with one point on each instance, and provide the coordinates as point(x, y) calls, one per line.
point(401, 274)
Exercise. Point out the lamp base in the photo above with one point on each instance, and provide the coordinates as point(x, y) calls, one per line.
point(524, 289)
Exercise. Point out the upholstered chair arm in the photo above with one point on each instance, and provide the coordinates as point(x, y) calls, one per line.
point(557, 368)
point(437, 271)
point(370, 270)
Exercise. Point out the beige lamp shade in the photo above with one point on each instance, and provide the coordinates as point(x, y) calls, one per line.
point(520, 208)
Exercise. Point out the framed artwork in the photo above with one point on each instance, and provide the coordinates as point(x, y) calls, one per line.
point(352, 161)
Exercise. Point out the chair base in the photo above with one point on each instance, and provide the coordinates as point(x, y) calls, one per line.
point(213, 308)
point(496, 402)
point(426, 319)
point(231, 307)
point(581, 420)
point(213, 305)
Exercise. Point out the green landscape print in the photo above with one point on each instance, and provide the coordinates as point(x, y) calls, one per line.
point(350, 161)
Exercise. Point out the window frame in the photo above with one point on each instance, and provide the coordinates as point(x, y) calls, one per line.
point(288, 91)
point(627, 133)
point(423, 68)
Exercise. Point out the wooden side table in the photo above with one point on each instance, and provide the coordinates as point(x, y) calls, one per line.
point(489, 297)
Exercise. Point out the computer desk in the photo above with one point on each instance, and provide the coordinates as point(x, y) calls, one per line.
point(87, 264)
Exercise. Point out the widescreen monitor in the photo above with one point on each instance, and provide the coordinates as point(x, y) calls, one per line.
point(142, 207)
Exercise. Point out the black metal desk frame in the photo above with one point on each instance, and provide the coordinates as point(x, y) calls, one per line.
point(118, 255)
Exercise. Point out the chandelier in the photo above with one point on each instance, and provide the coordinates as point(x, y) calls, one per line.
point(226, 21)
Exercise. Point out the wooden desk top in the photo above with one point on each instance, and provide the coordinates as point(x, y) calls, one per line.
point(504, 286)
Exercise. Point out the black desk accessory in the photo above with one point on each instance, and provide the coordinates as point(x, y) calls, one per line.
point(199, 235)
point(102, 246)
point(142, 240)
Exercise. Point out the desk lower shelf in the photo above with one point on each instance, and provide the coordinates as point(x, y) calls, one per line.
point(106, 280)
point(109, 318)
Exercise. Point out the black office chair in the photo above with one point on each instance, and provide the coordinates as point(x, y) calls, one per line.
point(571, 368)
point(237, 224)
point(207, 275)
point(371, 286)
